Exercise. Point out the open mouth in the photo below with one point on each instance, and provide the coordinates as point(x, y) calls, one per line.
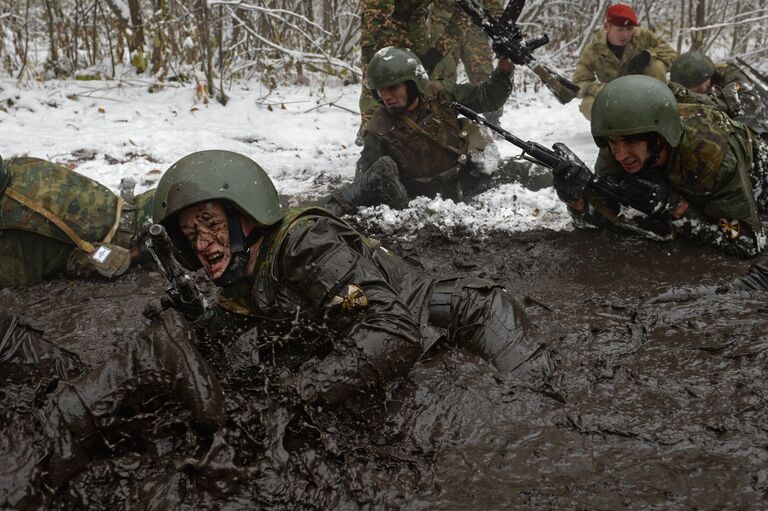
point(216, 263)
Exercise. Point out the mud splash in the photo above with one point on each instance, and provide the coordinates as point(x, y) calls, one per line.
point(650, 405)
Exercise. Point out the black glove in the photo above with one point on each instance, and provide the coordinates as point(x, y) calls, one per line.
point(652, 198)
point(430, 59)
point(638, 63)
point(570, 179)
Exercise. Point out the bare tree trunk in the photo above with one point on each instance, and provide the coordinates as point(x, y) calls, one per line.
point(26, 42)
point(53, 53)
point(203, 19)
point(697, 37)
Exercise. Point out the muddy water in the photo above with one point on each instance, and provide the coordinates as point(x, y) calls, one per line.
point(650, 405)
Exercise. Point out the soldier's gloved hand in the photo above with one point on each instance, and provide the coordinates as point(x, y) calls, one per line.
point(570, 179)
point(654, 199)
point(638, 63)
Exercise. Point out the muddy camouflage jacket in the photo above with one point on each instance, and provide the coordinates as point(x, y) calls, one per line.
point(431, 158)
point(316, 268)
point(598, 65)
point(731, 92)
point(712, 169)
point(31, 247)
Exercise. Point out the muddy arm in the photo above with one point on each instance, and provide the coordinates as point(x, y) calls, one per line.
point(331, 265)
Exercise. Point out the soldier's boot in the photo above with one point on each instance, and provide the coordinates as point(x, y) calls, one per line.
point(163, 362)
point(25, 354)
point(484, 319)
point(380, 184)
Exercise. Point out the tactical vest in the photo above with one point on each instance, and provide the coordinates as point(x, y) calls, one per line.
point(260, 296)
point(84, 205)
point(431, 154)
point(694, 164)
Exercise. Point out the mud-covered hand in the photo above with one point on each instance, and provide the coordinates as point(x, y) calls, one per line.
point(638, 63)
point(570, 179)
point(652, 198)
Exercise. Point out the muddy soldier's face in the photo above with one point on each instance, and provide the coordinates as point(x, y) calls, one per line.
point(631, 154)
point(205, 226)
point(394, 96)
point(619, 36)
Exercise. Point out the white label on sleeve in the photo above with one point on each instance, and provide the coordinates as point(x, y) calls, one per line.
point(101, 254)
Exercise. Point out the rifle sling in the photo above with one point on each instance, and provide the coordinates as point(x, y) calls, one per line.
point(418, 129)
point(58, 222)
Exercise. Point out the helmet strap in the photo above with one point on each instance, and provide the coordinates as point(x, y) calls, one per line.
point(240, 249)
point(656, 145)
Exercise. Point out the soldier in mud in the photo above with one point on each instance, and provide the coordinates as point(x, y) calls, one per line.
point(690, 168)
point(54, 220)
point(57, 416)
point(456, 37)
point(415, 144)
point(392, 23)
point(621, 48)
point(306, 266)
point(694, 78)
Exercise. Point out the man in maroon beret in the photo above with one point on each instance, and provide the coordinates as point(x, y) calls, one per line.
point(620, 48)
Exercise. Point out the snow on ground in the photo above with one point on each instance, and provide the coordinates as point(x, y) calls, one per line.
point(114, 129)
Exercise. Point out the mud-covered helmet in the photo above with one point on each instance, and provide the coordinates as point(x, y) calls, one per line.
point(232, 178)
point(392, 65)
point(5, 175)
point(632, 105)
point(691, 69)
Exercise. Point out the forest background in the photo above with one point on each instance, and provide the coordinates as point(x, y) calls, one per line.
point(210, 43)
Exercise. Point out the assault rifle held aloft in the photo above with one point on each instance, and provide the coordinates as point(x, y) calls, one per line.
point(603, 185)
point(509, 41)
point(183, 294)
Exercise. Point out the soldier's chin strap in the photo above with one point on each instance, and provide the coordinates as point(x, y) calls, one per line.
point(240, 247)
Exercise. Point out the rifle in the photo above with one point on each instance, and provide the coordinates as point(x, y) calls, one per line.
point(541, 155)
point(183, 294)
point(762, 77)
point(509, 41)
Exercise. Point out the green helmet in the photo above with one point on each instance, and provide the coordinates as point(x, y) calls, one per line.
point(5, 175)
point(691, 69)
point(391, 65)
point(214, 175)
point(635, 104)
point(217, 175)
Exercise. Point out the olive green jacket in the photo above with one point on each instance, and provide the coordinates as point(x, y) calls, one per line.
point(598, 65)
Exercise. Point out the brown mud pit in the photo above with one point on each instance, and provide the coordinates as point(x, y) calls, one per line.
point(659, 406)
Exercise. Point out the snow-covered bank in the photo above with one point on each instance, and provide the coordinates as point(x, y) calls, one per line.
point(111, 130)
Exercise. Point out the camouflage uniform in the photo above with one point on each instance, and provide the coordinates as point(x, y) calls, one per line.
point(731, 92)
point(384, 23)
point(456, 37)
point(33, 248)
point(719, 168)
point(314, 268)
point(436, 157)
point(598, 65)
